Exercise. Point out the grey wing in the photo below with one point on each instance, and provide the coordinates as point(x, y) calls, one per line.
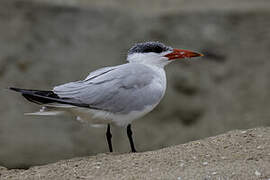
point(74, 87)
point(121, 89)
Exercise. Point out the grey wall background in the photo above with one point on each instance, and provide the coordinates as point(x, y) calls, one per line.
point(45, 43)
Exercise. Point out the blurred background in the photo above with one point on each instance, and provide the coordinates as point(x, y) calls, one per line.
point(44, 43)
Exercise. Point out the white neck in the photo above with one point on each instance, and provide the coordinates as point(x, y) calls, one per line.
point(152, 59)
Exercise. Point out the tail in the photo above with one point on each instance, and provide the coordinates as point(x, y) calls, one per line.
point(46, 97)
point(37, 96)
point(45, 113)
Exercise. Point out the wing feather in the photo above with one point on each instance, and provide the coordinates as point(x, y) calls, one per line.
point(118, 89)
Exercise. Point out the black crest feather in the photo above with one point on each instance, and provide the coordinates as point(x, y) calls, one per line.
point(148, 47)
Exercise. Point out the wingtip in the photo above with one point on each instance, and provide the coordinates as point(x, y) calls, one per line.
point(14, 89)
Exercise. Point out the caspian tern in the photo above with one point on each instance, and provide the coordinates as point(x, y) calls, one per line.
point(113, 95)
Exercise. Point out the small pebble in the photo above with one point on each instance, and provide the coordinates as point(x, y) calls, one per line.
point(179, 178)
point(214, 173)
point(182, 165)
point(205, 163)
point(257, 173)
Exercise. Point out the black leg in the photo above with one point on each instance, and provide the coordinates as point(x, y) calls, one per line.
point(109, 137)
point(129, 133)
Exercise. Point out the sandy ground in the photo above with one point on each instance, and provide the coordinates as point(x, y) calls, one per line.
point(239, 154)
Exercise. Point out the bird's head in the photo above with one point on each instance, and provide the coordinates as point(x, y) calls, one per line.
point(156, 53)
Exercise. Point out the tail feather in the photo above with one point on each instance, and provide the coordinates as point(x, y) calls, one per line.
point(46, 97)
point(44, 113)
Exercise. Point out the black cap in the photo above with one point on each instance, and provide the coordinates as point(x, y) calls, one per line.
point(148, 47)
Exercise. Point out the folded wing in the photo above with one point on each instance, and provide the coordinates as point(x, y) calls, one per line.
point(119, 89)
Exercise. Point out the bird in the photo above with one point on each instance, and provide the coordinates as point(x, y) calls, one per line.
point(115, 95)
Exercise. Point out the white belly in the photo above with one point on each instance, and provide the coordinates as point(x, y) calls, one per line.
point(103, 117)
